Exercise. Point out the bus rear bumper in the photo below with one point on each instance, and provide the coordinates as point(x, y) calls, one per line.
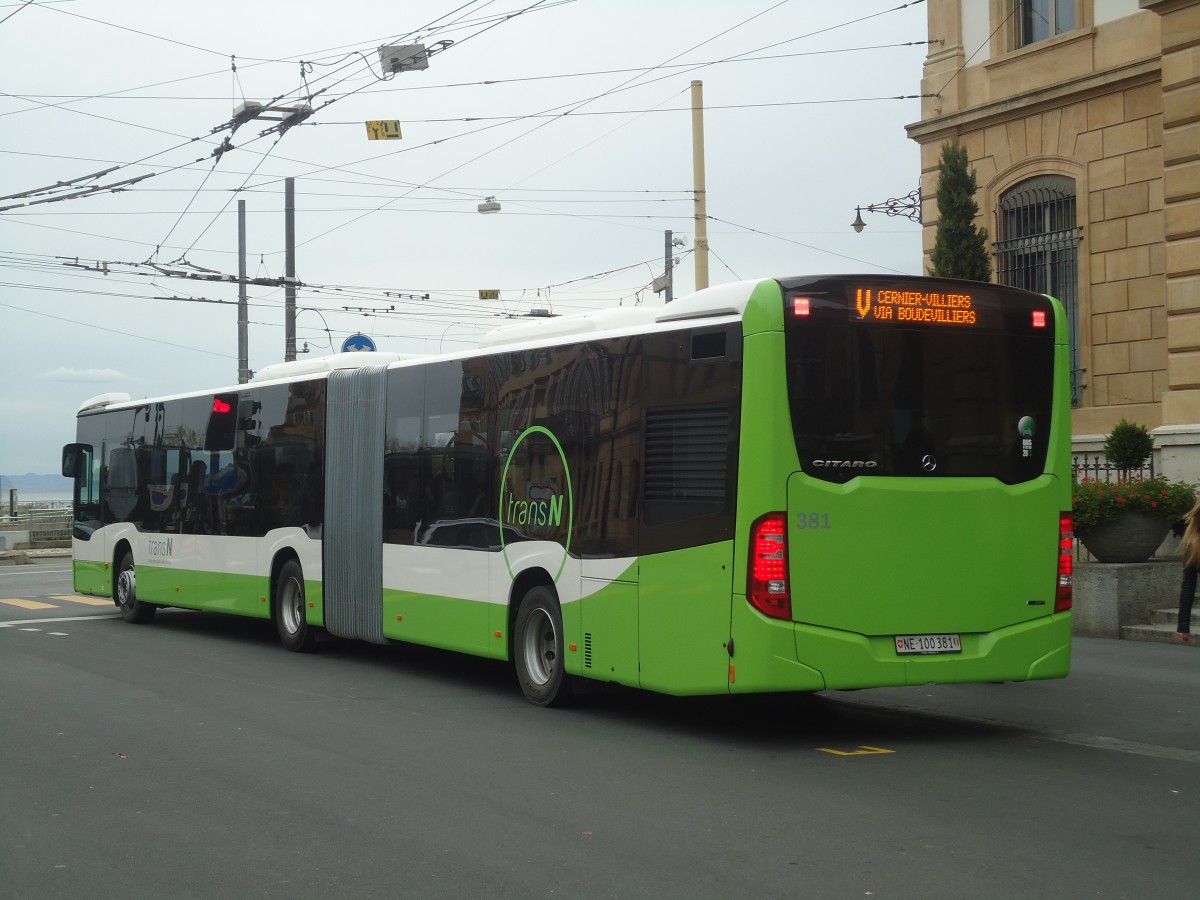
point(788, 656)
point(1027, 651)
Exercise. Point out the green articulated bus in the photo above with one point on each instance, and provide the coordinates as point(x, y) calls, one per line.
point(793, 484)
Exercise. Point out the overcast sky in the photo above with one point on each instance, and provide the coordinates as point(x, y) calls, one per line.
point(801, 125)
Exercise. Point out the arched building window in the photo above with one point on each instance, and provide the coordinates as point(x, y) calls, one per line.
point(1037, 248)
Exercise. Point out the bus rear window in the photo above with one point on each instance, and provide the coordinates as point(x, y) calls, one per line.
point(907, 377)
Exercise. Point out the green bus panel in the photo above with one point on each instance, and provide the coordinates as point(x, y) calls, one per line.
point(765, 654)
point(239, 595)
point(888, 556)
point(608, 645)
point(683, 619)
point(92, 577)
point(314, 601)
point(165, 585)
point(444, 622)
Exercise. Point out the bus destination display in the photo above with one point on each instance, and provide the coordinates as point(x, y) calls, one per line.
point(931, 307)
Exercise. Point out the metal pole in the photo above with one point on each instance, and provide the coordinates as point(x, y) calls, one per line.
point(289, 271)
point(243, 300)
point(698, 176)
point(669, 273)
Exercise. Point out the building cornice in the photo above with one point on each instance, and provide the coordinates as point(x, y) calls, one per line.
point(1020, 106)
point(1162, 7)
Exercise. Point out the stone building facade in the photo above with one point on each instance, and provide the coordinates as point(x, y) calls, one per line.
point(1081, 119)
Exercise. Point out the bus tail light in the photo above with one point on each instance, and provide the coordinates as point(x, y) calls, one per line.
point(767, 586)
point(1063, 597)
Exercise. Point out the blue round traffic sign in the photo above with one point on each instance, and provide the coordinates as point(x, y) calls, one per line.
point(358, 343)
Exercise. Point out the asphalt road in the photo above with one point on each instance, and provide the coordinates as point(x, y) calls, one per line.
point(193, 757)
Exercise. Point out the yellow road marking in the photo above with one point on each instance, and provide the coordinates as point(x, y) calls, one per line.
point(87, 601)
point(861, 751)
point(29, 604)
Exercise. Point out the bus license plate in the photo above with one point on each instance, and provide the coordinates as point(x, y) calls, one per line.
point(907, 644)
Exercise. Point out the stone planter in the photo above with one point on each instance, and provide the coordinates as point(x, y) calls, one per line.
point(1132, 537)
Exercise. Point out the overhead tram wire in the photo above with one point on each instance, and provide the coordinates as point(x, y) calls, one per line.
point(574, 106)
point(94, 189)
point(123, 333)
point(283, 127)
point(247, 62)
point(697, 66)
point(421, 206)
point(97, 189)
point(123, 185)
point(901, 7)
point(642, 112)
point(551, 115)
point(557, 109)
point(539, 6)
point(221, 211)
point(802, 244)
point(432, 306)
point(442, 303)
point(384, 179)
point(157, 37)
point(231, 125)
point(636, 82)
point(499, 21)
point(397, 87)
point(24, 6)
point(525, 10)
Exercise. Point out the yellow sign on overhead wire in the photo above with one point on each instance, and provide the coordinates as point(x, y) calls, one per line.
point(384, 130)
point(485, 294)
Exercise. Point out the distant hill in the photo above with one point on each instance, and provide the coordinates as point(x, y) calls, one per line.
point(30, 483)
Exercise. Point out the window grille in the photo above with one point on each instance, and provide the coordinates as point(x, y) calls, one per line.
point(687, 462)
point(1038, 250)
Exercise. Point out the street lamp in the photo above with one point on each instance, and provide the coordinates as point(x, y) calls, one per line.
point(908, 206)
point(490, 205)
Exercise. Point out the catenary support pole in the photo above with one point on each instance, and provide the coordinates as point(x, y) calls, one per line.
point(668, 273)
point(289, 289)
point(243, 300)
point(698, 176)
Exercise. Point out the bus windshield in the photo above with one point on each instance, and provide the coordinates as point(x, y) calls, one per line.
point(912, 377)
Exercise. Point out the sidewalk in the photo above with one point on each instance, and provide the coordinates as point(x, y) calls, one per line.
point(23, 557)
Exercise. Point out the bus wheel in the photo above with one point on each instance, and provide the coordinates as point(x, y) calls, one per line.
point(294, 632)
point(132, 609)
point(538, 649)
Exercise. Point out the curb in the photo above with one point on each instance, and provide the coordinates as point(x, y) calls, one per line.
point(24, 557)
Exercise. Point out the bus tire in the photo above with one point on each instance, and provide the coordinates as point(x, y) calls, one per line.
point(132, 609)
point(294, 631)
point(538, 649)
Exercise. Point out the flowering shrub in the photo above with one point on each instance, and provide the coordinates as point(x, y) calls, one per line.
point(1093, 502)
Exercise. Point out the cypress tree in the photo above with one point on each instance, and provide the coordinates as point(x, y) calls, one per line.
point(960, 249)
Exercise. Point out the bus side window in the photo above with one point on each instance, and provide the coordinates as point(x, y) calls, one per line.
point(122, 482)
point(195, 509)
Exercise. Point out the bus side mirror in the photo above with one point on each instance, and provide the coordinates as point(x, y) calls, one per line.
point(72, 459)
